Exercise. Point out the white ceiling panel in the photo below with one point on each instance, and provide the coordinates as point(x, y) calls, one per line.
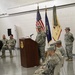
point(16, 3)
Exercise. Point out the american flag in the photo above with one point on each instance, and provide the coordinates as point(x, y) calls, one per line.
point(39, 21)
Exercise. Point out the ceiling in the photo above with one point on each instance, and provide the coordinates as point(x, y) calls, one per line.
point(15, 3)
point(7, 4)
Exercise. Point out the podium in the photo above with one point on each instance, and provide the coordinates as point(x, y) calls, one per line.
point(29, 53)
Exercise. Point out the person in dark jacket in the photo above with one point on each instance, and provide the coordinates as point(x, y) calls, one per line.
point(1, 44)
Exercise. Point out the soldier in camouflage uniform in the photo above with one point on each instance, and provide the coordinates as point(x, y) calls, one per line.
point(4, 47)
point(69, 43)
point(41, 40)
point(57, 50)
point(11, 44)
point(60, 47)
point(50, 63)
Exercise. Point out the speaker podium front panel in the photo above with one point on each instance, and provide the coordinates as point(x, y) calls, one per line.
point(29, 52)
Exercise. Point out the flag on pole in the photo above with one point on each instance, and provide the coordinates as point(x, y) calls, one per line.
point(56, 30)
point(39, 21)
point(48, 31)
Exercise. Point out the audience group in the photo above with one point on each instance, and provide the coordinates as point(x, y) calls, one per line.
point(7, 45)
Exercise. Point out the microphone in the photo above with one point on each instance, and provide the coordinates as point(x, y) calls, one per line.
point(31, 35)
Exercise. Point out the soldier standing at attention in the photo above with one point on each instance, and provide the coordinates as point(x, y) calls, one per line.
point(41, 40)
point(11, 44)
point(4, 47)
point(69, 43)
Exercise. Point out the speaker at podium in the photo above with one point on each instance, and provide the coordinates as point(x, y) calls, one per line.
point(29, 52)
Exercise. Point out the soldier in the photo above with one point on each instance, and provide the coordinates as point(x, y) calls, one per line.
point(41, 40)
point(50, 63)
point(68, 43)
point(57, 51)
point(4, 47)
point(60, 47)
point(11, 44)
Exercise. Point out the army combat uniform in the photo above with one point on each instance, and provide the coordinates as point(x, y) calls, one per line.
point(49, 65)
point(4, 47)
point(11, 44)
point(69, 44)
point(41, 40)
point(61, 49)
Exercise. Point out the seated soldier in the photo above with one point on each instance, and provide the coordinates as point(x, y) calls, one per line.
point(60, 47)
point(11, 44)
point(4, 47)
point(50, 63)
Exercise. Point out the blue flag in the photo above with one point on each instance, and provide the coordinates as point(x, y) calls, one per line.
point(48, 32)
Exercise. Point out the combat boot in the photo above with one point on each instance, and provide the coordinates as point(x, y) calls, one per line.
point(11, 56)
point(3, 54)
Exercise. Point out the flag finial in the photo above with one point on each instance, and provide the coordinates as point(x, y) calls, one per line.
point(45, 9)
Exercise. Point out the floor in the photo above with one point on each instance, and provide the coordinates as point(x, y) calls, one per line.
point(12, 66)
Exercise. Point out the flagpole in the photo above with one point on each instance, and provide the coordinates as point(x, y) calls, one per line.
point(45, 25)
point(37, 6)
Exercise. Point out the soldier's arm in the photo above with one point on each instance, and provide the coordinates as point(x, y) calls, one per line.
point(6, 42)
point(72, 37)
point(44, 34)
point(39, 40)
point(42, 38)
point(13, 42)
point(63, 51)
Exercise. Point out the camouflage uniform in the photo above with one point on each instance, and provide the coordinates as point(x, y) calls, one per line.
point(61, 49)
point(51, 62)
point(69, 44)
point(57, 50)
point(49, 65)
point(4, 47)
point(11, 44)
point(41, 39)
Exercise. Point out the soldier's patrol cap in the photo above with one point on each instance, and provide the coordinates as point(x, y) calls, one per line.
point(67, 28)
point(53, 44)
point(58, 42)
point(51, 48)
point(38, 26)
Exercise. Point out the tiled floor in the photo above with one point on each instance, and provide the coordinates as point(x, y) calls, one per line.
point(69, 67)
point(12, 66)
